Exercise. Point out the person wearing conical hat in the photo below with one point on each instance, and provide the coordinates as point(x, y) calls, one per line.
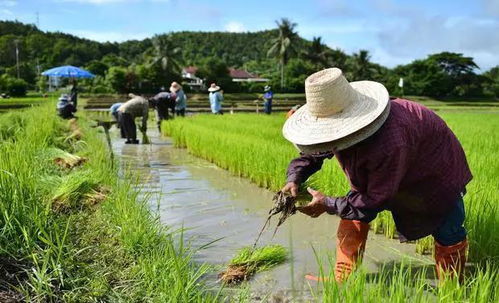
point(65, 107)
point(216, 99)
point(398, 156)
point(268, 95)
point(180, 99)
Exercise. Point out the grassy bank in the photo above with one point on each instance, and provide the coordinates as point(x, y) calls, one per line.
point(252, 146)
point(80, 234)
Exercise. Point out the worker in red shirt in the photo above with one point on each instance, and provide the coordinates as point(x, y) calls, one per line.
point(398, 156)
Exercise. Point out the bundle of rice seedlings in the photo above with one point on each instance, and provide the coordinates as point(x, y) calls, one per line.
point(76, 191)
point(76, 135)
point(63, 158)
point(249, 261)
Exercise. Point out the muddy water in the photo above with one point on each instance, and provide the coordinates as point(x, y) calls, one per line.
point(214, 205)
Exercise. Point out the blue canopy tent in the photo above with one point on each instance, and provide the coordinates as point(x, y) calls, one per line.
point(68, 71)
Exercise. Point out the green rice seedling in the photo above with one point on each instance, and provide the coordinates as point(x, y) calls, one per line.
point(76, 191)
point(63, 158)
point(249, 261)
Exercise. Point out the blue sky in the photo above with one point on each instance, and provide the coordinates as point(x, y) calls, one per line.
point(394, 31)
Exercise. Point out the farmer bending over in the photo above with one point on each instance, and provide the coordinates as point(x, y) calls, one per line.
point(65, 108)
point(163, 102)
point(136, 107)
point(398, 156)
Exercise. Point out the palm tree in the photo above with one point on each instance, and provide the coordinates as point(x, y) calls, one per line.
point(165, 54)
point(283, 46)
point(318, 53)
point(362, 68)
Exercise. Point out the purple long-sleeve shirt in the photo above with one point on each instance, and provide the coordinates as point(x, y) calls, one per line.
point(413, 166)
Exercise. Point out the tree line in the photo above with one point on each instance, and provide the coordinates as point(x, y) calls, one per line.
point(280, 55)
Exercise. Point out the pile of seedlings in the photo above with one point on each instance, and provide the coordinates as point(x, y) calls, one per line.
point(64, 159)
point(249, 261)
point(75, 191)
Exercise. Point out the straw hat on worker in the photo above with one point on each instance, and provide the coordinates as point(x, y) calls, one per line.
point(175, 87)
point(337, 114)
point(213, 88)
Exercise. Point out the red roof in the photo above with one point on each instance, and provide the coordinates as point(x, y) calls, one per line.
point(241, 74)
point(234, 73)
point(191, 70)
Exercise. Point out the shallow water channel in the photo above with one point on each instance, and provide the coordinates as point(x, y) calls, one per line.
point(213, 204)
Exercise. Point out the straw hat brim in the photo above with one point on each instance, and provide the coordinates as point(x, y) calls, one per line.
point(214, 89)
point(349, 140)
point(303, 128)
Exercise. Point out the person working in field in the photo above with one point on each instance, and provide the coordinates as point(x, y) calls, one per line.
point(65, 108)
point(180, 99)
point(216, 99)
point(137, 106)
point(398, 156)
point(114, 112)
point(163, 102)
point(268, 95)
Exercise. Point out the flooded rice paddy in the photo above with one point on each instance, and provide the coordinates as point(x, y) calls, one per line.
point(216, 207)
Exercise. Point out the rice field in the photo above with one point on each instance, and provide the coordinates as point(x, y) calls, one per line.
point(78, 233)
point(252, 146)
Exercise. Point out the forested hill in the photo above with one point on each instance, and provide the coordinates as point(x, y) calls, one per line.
point(52, 49)
point(233, 48)
point(146, 65)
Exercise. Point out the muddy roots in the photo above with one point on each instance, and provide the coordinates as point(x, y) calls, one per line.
point(235, 274)
point(70, 161)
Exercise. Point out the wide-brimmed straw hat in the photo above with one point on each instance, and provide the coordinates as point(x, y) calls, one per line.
point(337, 114)
point(175, 87)
point(267, 88)
point(213, 88)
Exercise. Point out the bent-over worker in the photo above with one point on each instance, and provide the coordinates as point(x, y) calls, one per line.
point(398, 156)
point(65, 107)
point(137, 106)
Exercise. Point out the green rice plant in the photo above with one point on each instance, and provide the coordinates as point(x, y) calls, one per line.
point(249, 261)
point(75, 191)
point(118, 252)
point(262, 258)
point(404, 281)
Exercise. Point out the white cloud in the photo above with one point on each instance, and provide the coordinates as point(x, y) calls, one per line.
point(235, 27)
point(421, 35)
point(111, 36)
point(8, 3)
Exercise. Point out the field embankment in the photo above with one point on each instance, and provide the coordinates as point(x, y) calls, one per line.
point(71, 230)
